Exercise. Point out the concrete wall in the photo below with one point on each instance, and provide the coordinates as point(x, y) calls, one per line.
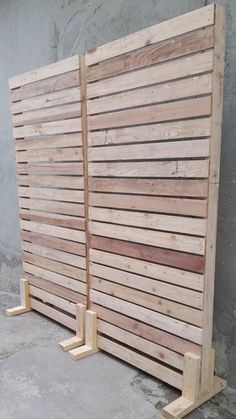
point(38, 32)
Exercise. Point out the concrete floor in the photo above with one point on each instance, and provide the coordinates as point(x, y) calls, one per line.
point(38, 380)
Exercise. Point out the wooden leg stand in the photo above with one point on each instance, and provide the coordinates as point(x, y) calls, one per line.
point(191, 395)
point(90, 346)
point(25, 300)
point(78, 339)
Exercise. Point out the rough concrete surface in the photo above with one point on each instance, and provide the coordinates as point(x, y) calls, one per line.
point(38, 32)
point(37, 379)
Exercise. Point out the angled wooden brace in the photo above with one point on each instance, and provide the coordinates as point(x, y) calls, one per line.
point(25, 300)
point(78, 339)
point(90, 346)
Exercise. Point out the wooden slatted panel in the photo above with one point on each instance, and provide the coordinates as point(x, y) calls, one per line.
point(46, 115)
point(149, 101)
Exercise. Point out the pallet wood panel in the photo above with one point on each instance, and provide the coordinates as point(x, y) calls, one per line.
point(46, 114)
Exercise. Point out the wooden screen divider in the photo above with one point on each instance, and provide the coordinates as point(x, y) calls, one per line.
point(118, 156)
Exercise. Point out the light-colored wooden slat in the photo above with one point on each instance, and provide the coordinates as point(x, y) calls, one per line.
point(58, 141)
point(60, 256)
point(60, 97)
point(52, 206)
point(49, 298)
point(195, 128)
point(160, 73)
point(153, 302)
point(54, 219)
point(53, 314)
point(68, 169)
point(54, 194)
point(54, 231)
point(143, 345)
point(170, 49)
point(54, 243)
point(170, 150)
point(50, 114)
point(183, 109)
point(152, 270)
point(158, 320)
point(63, 66)
point(185, 225)
point(190, 207)
point(54, 266)
point(194, 86)
point(48, 128)
point(146, 331)
point(169, 187)
point(69, 182)
point(165, 30)
point(56, 278)
point(169, 169)
point(157, 370)
point(179, 242)
point(52, 155)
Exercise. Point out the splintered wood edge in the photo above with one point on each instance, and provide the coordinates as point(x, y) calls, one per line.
point(71, 343)
point(182, 406)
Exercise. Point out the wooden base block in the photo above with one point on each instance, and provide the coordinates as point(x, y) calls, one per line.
point(82, 352)
point(71, 343)
point(25, 300)
point(17, 310)
point(182, 406)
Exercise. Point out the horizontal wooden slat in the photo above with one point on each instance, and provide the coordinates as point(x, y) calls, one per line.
point(152, 54)
point(177, 327)
point(54, 243)
point(51, 114)
point(49, 298)
point(55, 289)
point(54, 231)
point(69, 182)
point(179, 242)
point(52, 155)
point(68, 169)
point(151, 301)
point(60, 256)
point(48, 128)
point(146, 331)
point(54, 194)
point(195, 86)
point(52, 206)
point(49, 99)
point(170, 150)
point(169, 187)
point(55, 219)
point(45, 86)
point(185, 225)
point(143, 345)
point(63, 66)
point(195, 128)
point(150, 203)
point(58, 141)
point(53, 314)
point(185, 261)
point(152, 270)
point(164, 30)
point(58, 279)
point(183, 67)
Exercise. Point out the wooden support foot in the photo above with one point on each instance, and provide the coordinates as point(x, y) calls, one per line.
point(90, 346)
point(25, 300)
point(78, 339)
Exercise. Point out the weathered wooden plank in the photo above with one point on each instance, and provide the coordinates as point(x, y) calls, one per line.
point(180, 242)
point(184, 88)
point(183, 109)
point(50, 155)
point(54, 219)
point(69, 169)
point(195, 128)
point(151, 301)
point(53, 314)
point(180, 187)
point(48, 128)
point(167, 205)
point(54, 69)
point(185, 225)
point(54, 231)
point(54, 194)
point(52, 206)
point(165, 30)
point(151, 270)
point(69, 182)
point(185, 261)
point(189, 43)
point(58, 141)
point(49, 298)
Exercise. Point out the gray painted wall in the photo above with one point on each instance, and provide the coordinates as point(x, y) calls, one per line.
point(38, 32)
